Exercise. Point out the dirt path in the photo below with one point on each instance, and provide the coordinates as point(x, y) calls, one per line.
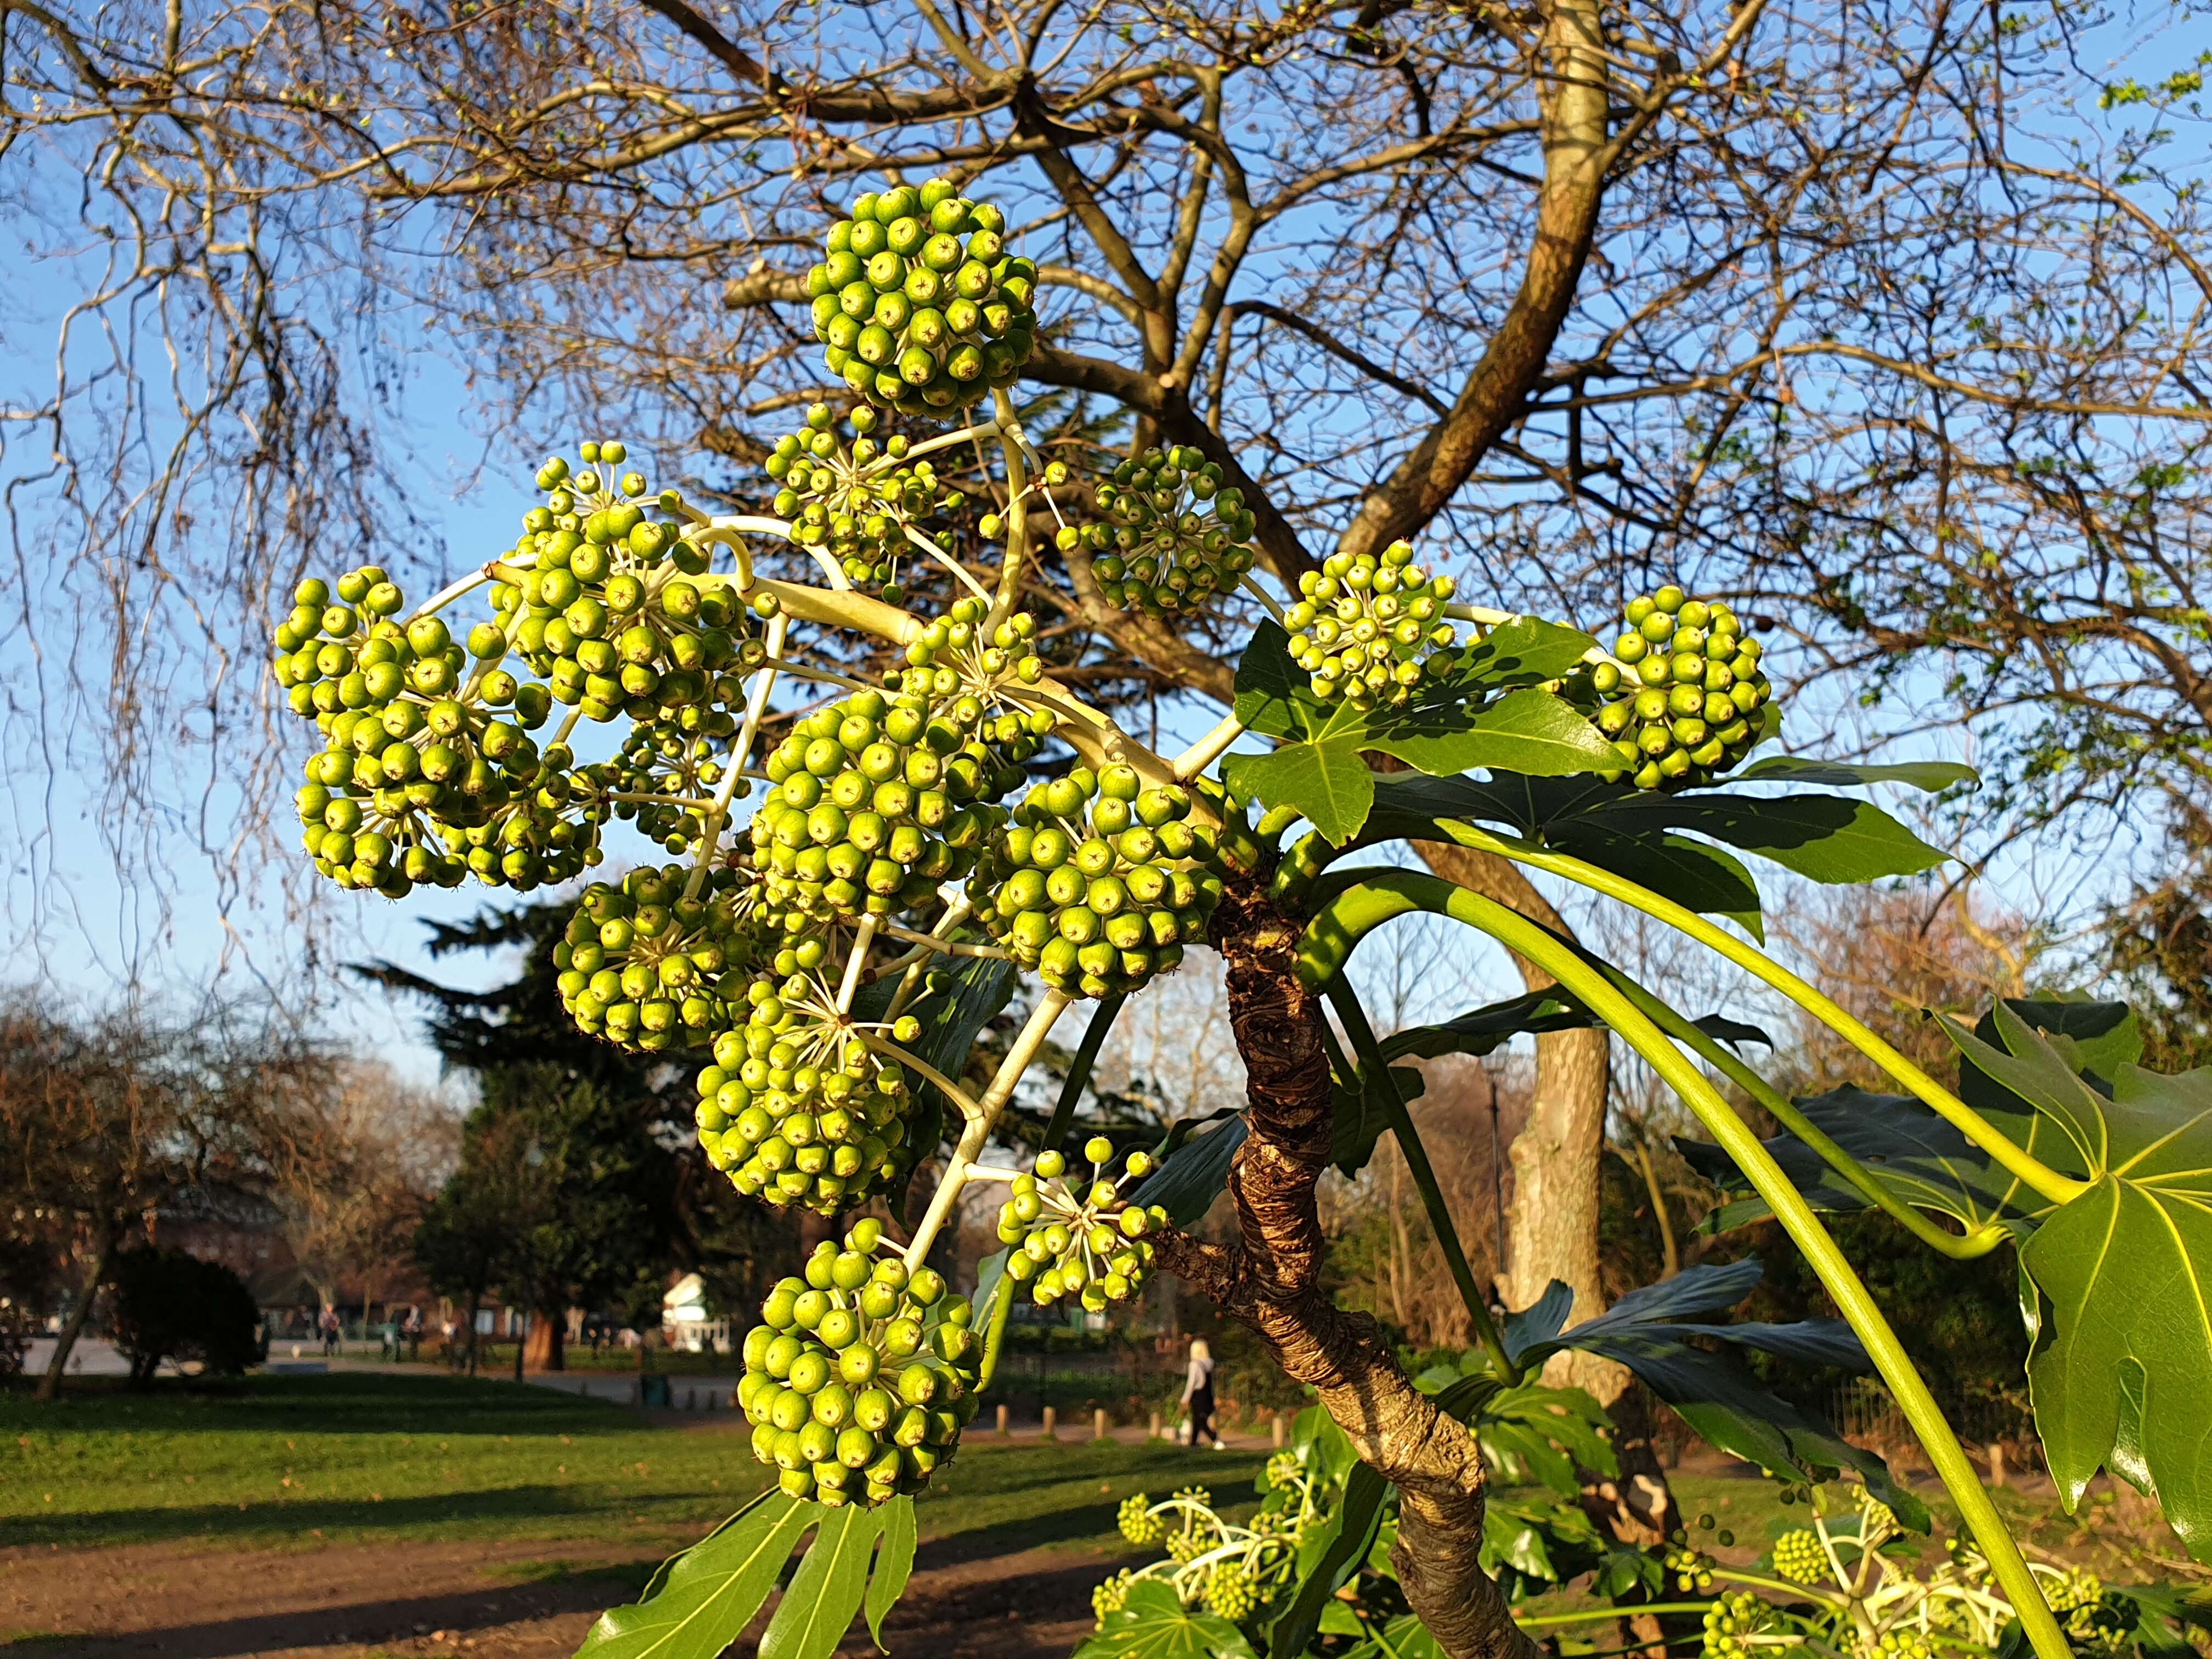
point(490, 1600)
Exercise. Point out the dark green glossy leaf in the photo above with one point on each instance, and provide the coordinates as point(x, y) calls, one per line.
point(1707, 878)
point(1327, 782)
point(1154, 1625)
point(1825, 838)
point(699, 1600)
point(1361, 1119)
point(1328, 1559)
point(1481, 1030)
point(1529, 732)
point(1193, 1175)
point(1930, 776)
point(951, 1020)
point(1922, 1161)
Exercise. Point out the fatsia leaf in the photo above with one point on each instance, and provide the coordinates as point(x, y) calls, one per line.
point(701, 1598)
point(1705, 878)
point(1489, 716)
point(1361, 1119)
point(1328, 1559)
point(1825, 838)
point(2120, 1372)
point(1929, 776)
point(894, 1564)
point(1920, 1159)
point(1481, 1030)
point(826, 1592)
point(1715, 1393)
point(951, 1019)
point(1153, 1624)
point(1191, 1174)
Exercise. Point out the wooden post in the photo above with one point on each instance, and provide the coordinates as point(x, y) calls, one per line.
point(1050, 1417)
point(1997, 1463)
point(1155, 1425)
point(1279, 1432)
point(1003, 1428)
point(690, 1399)
point(1098, 1424)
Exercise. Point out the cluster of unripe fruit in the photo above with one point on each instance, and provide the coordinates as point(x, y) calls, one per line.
point(1099, 882)
point(875, 801)
point(1731, 1620)
point(1080, 1240)
point(1799, 1557)
point(1685, 709)
point(918, 304)
point(861, 1375)
point(1368, 629)
point(599, 601)
point(1163, 551)
point(419, 779)
point(645, 967)
point(796, 1107)
point(844, 500)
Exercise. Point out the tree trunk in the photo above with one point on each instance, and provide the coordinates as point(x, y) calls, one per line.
point(103, 1248)
point(476, 1341)
point(522, 1343)
point(1556, 1157)
point(546, 1347)
point(1269, 1280)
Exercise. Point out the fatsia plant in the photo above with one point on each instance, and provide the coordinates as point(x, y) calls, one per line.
point(839, 911)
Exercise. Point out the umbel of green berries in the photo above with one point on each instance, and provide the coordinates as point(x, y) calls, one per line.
point(918, 304)
point(1163, 551)
point(1368, 629)
point(1083, 1240)
point(1686, 709)
point(1799, 1557)
point(852, 500)
point(1731, 1621)
point(427, 772)
point(875, 799)
point(796, 1107)
point(1098, 882)
point(596, 597)
point(645, 967)
point(861, 1375)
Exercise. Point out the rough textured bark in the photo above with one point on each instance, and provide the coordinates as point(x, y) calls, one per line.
point(1269, 1280)
point(547, 1348)
point(1556, 1170)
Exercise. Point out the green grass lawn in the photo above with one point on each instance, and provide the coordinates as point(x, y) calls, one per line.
point(363, 1457)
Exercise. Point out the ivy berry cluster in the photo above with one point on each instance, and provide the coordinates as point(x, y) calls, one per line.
point(1085, 1241)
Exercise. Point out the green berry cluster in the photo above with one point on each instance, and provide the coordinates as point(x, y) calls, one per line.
point(1731, 1620)
point(1228, 1592)
point(2076, 1587)
point(1690, 715)
point(419, 781)
point(600, 599)
point(1692, 1569)
point(797, 1109)
point(877, 798)
point(850, 500)
point(1089, 1244)
point(862, 1375)
point(1899, 1642)
point(919, 305)
point(1164, 552)
point(1099, 882)
point(1799, 1557)
point(683, 755)
point(1111, 1596)
point(954, 654)
point(1368, 629)
point(648, 968)
point(1138, 1523)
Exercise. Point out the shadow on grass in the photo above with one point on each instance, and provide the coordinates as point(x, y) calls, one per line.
point(351, 1402)
point(399, 1620)
point(276, 1523)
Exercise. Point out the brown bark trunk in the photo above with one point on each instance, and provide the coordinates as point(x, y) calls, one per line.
point(1269, 1280)
point(546, 1348)
point(1555, 1157)
point(103, 1248)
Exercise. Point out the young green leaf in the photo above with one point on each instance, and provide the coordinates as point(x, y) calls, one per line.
point(1153, 1624)
point(697, 1603)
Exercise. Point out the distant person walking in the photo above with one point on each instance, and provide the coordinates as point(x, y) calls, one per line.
point(1198, 1396)
point(414, 1329)
point(330, 1332)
